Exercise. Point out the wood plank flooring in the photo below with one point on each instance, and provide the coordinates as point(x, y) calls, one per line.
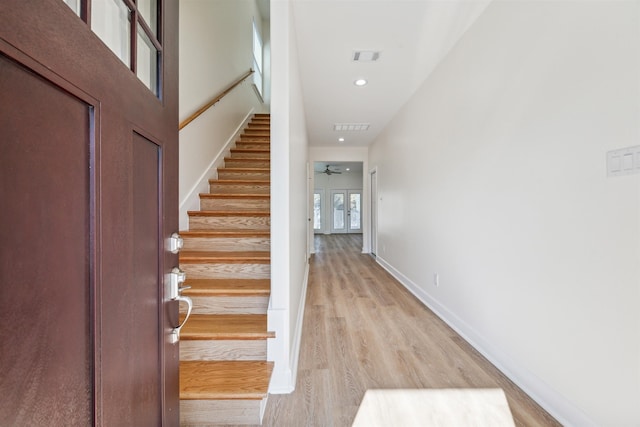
point(363, 330)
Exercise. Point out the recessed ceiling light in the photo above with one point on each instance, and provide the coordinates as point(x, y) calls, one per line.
point(341, 139)
point(360, 82)
point(347, 169)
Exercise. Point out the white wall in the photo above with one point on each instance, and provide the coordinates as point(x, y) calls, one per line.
point(493, 176)
point(289, 266)
point(215, 50)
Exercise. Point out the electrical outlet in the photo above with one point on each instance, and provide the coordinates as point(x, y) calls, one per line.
point(436, 279)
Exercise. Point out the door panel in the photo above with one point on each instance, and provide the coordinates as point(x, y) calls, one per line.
point(132, 343)
point(346, 211)
point(89, 262)
point(46, 286)
point(338, 211)
point(354, 213)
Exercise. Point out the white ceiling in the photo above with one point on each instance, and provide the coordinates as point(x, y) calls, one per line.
point(412, 36)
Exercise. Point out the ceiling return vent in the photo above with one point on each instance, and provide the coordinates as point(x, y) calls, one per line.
point(366, 55)
point(356, 127)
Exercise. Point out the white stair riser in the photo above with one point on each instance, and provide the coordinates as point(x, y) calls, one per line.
point(229, 222)
point(231, 174)
point(254, 142)
point(253, 145)
point(227, 243)
point(207, 204)
point(228, 305)
point(227, 271)
point(217, 188)
point(223, 349)
point(250, 154)
point(202, 412)
point(246, 163)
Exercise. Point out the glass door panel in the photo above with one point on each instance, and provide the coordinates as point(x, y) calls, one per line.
point(74, 5)
point(130, 29)
point(355, 212)
point(110, 20)
point(149, 11)
point(317, 211)
point(147, 61)
point(338, 211)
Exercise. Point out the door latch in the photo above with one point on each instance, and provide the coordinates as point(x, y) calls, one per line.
point(175, 243)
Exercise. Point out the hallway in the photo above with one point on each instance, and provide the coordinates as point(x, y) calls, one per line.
point(363, 330)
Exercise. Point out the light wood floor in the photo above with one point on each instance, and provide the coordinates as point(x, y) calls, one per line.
point(363, 330)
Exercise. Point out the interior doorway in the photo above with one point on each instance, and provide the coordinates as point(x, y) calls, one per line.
point(337, 197)
point(346, 211)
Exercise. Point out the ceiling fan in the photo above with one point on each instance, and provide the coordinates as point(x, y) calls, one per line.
point(330, 172)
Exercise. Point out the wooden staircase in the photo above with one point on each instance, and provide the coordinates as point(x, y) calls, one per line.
point(224, 374)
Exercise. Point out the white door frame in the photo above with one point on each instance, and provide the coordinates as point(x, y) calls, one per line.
point(373, 212)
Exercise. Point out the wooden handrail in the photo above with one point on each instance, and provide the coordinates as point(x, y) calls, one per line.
point(215, 100)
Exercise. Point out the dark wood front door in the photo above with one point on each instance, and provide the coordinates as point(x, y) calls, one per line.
point(88, 200)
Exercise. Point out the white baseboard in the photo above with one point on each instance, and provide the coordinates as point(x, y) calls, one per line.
point(278, 351)
point(285, 372)
point(553, 402)
point(191, 201)
point(297, 339)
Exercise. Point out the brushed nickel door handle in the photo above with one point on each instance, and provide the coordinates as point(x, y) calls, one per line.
point(174, 292)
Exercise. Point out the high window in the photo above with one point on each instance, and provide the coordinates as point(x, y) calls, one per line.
point(257, 58)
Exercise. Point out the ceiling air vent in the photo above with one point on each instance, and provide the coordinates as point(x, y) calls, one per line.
point(357, 127)
point(366, 55)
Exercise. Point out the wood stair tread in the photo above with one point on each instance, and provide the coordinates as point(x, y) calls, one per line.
point(250, 150)
point(226, 327)
point(244, 169)
point(240, 181)
point(235, 196)
point(235, 212)
point(231, 257)
point(226, 233)
point(228, 287)
point(224, 380)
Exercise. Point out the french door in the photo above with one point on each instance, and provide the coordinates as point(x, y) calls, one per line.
point(346, 211)
point(88, 183)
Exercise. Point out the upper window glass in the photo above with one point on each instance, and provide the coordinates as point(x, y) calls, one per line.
point(130, 28)
point(257, 58)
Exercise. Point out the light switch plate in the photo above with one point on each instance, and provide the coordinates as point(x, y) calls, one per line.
point(623, 161)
